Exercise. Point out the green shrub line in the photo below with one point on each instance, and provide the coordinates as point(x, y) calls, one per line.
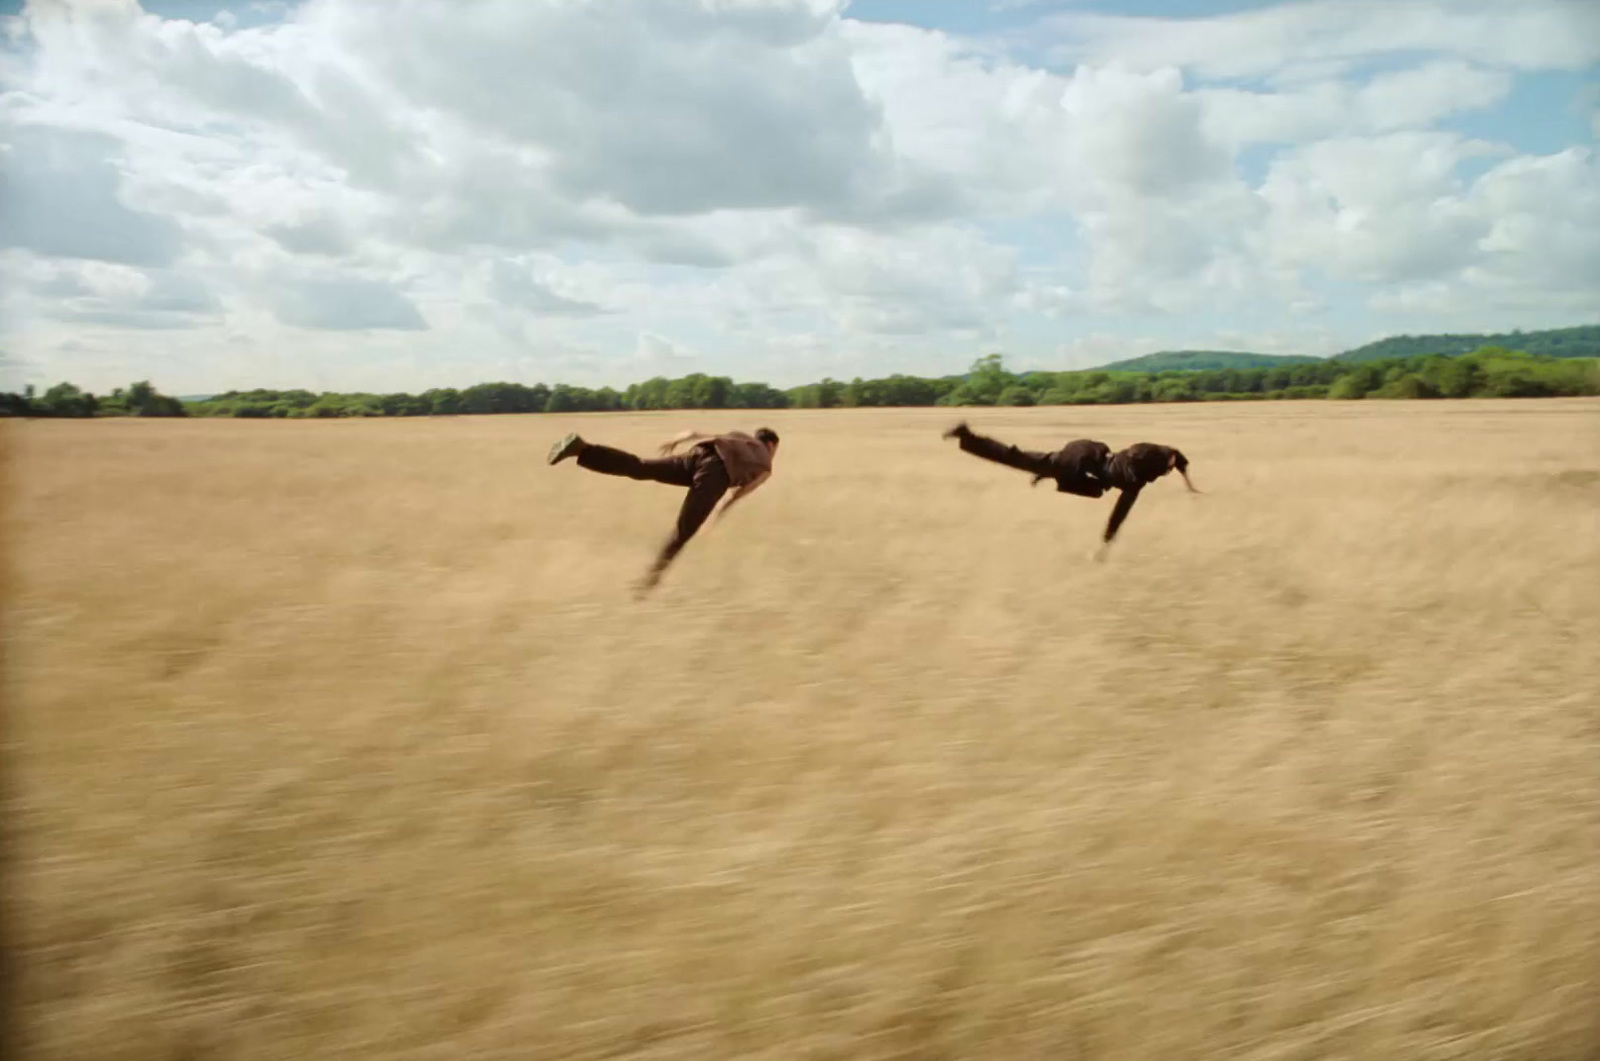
point(1487, 372)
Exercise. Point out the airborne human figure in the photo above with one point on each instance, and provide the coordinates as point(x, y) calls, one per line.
point(712, 466)
point(1131, 470)
point(1085, 467)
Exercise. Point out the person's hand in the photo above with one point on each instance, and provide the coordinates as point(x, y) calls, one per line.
point(642, 588)
point(679, 439)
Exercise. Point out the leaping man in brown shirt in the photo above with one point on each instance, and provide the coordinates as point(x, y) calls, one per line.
point(712, 466)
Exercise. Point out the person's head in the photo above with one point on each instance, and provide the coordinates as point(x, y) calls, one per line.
point(770, 437)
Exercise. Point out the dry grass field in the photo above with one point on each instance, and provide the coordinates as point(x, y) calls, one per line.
point(346, 740)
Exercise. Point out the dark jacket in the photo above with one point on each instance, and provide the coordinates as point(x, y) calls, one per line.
point(1141, 464)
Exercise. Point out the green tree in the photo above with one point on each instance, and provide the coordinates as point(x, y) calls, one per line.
point(756, 396)
point(443, 401)
point(985, 381)
point(651, 394)
point(564, 399)
point(1357, 382)
point(711, 392)
point(326, 407)
point(142, 399)
point(828, 394)
point(16, 404)
point(1406, 385)
point(65, 399)
point(1175, 387)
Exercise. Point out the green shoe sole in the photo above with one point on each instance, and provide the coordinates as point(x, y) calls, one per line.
point(565, 448)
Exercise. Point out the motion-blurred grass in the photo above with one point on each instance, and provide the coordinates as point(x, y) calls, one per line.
point(345, 740)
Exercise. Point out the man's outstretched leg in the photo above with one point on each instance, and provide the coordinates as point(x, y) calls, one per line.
point(708, 483)
point(674, 471)
point(1042, 465)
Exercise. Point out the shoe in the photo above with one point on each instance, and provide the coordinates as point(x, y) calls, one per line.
point(959, 431)
point(567, 447)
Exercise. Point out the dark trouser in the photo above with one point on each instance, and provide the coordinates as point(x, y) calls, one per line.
point(1041, 465)
point(701, 470)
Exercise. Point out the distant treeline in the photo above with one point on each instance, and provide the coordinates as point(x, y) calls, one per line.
point(1490, 372)
point(64, 399)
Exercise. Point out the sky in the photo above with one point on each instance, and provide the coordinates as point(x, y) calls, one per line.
point(394, 195)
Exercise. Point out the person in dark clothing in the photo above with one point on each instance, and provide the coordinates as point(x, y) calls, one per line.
point(1131, 470)
point(1085, 467)
point(1078, 467)
point(712, 466)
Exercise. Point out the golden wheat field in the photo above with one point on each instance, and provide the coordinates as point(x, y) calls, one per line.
point(346, 740)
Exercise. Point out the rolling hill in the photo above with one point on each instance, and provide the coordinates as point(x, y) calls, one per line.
point(1583, 341)
point(1199, 360)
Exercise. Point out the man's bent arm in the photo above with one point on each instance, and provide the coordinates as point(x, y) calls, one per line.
point(742, 491)
point(679, 439)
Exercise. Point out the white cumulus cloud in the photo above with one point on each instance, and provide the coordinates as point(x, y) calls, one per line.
point(385, 195)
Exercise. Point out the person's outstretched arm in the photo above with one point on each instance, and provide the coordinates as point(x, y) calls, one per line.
point(679, 439)
point(742, 491)
point(1120, 512)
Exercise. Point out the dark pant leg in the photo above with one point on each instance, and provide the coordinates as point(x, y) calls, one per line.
point(1040, 464)
point(674, 471)
point(709, 482)
point(1129, 495)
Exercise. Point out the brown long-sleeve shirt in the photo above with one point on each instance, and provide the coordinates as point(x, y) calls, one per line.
point(747, 458)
